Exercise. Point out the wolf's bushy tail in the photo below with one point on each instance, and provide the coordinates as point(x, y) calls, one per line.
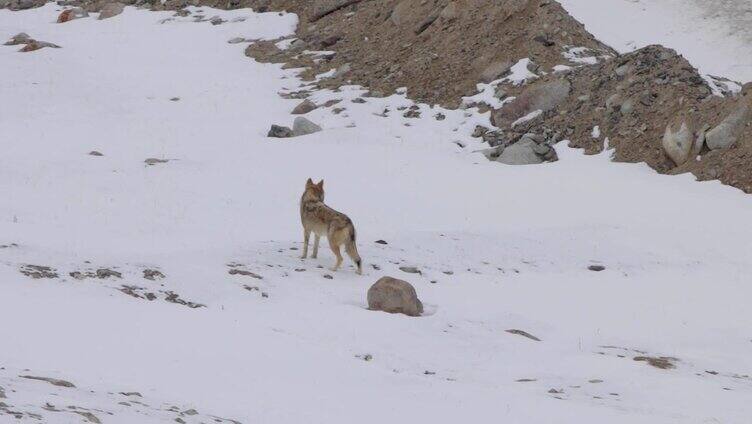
point(352, 250)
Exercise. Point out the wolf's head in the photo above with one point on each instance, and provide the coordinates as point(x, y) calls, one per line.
point(314, 191)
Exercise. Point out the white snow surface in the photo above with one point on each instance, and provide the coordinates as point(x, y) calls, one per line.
point(714, 35)
point(499, 248)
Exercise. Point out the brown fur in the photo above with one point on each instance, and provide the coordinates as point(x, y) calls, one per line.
point(323, 221)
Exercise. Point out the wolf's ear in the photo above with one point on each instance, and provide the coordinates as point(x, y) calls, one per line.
point(309, 182)
point(321, 184)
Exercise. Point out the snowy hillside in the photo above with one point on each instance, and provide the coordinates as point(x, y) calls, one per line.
point(150, 245)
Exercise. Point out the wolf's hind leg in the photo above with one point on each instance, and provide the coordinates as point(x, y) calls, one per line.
point(335, 249)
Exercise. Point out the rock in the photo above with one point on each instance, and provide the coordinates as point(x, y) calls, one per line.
point(479, 131)
point(34, 45)
point(330, 40)
point(394, 296)
point(154, 161)
point(322, 8)
point(410, 269)
point(495, 71)
point(727, 132)
point(53, 381)
point(278, 131)
point(523, 334)
point(678, 144)
point(450, 12)
point(236, 40)
point(20, 38)
point(520, 153)
point(596, 268)
point(401, 12)
point(95, 153)
point(111, 9)
point(304, 107)
point(71, 14)
point(381, 242)
point(342, 70)
point(153, 274)
point(302, 126)
point(627, 107)
point(544, 97)
point(107, 273)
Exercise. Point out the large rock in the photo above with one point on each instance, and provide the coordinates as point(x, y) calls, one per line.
point(111, 9)
point(322, 8)
point(20, 38)
point(302, 126)
point(394, 296)
point(520, 153)
point(71, 14)
point(544, 96)
point(727, 132)
point(678, 144)
point(304, 107)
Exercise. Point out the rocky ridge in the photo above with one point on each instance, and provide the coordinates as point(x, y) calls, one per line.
point(648, 106)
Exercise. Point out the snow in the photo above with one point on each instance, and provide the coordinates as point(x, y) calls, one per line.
point(527, 118)
point(519, 74)
point(715, 36)
point(517, 241)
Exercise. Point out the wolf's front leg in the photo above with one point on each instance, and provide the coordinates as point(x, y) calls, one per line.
point(316, 239)
point(306, 236)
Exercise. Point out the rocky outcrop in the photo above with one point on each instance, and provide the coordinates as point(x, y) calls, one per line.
point(394, 296)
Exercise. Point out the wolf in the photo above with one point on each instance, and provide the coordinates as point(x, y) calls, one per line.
point(323, 221)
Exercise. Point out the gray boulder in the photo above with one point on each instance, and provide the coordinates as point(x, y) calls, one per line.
point(678, 144)
point(278, 131)
point(531, 149)
point(304, 107)
point(20, 38)
point(111, 9)
point(302, 126)
point(395, 297)
point(520, 153)
point(727, 132)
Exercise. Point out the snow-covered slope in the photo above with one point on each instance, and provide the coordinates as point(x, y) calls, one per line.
point(239, 327)
point(714, 35)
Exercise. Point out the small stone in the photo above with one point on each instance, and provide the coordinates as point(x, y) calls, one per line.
point(381, 242)
point(597, 268)
point(154, 161)
point(304, 107)
point(410, 269)
point(95, 153)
